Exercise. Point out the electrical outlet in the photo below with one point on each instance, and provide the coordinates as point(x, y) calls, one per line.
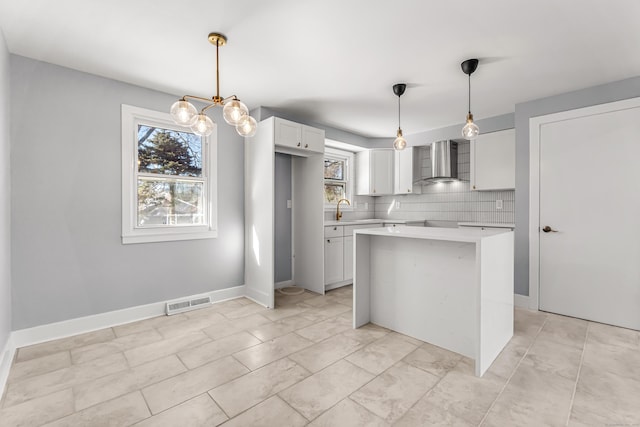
point(288, 204)
point(498, 204)
point(397, 205)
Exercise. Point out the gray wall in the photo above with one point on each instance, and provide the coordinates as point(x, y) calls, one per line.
point(624, 89)
point(67, 256)
point(282, 218)
point(5, 201)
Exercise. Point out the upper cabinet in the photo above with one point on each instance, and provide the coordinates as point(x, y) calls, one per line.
point(493, 161)
point(296, 138)
point(374, 172)
point(404, 170)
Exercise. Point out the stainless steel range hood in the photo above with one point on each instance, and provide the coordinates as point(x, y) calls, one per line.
point(444, 163)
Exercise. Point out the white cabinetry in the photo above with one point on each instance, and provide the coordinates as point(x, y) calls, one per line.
point(403, 171)
point(374, 172)
point(493, 161)
point(296, 138)
point(338, 254)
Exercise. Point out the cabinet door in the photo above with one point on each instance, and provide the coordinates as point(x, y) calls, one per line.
point(363, 173)
point(333, 260)
point(312, 139)
point(493, 161)
point(381, 172)
point(348, 258)
point(287, 134)
point(403, 171)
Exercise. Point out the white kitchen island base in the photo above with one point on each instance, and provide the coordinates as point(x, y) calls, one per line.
point(450, 287)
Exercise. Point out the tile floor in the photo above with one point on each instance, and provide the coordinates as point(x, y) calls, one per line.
point(238, 364)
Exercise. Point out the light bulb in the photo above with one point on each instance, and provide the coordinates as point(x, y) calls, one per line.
point(247, 126)
point(233, 111)
point(470, 130)
point(183, 112)
point(399, 143)
point(202, 125)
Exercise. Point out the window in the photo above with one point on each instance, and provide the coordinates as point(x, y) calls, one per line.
point(168, 179)
point(337, 175)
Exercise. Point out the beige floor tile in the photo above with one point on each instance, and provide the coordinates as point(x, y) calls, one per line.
point(391, 394)
point(510, 356)
point(231, 327)
point(464, 395)
point(348, 413)
point(147, 353)
point(366, 334)
point(322, 330)
point(265, 353)
point(246, 310)
point(286, 311)
point(44, 349)
point(328, 311)
point(95, 351)
point(198, 356)
point(565, 330)
point(50, 382)
point(147, 324)
point(39, 366)
point(620, 360)
point(533, 397)
point(270, 413)
point(380, 355)
point(325, 353)
point(528, 322)
point(120, 383)
point(279, 328)
point(610, 335)
point(550, 356)
point(424, 414)
point(190, 384)
point(200, 411)
point(190, 325)
point(251, 389)
point(319, 301)
point(322, 390)
point(123, 411)
point(433, 359)
point(38, 411)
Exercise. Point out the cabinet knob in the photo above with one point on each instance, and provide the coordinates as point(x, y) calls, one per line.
point(335, 228)
point(306, 145)
point(328, 240)
point(474, 187)
point(408, 190)
point(298, 144)
point(374, 190)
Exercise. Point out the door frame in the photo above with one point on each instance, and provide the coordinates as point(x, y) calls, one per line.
point(535, 123)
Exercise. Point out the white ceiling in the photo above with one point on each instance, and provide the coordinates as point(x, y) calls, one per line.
point(335, 61)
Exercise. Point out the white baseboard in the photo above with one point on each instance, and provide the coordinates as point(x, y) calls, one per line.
point(521, 301)
point(6, 359)
point(81, 325)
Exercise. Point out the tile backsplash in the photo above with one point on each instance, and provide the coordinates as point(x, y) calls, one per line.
point(449, 203)
point(443, 204)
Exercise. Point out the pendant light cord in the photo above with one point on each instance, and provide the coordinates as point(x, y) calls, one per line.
point(217, 71)
point(399, 127)
point(469, 93)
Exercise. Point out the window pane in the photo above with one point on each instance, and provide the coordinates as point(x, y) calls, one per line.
point(333, 193)
point(169, 152)
point(334, 169)
point(170, 202)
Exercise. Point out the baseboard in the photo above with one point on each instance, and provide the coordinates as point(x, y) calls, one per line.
point(284, 284)
point(6, 359)
point(81, 325)
point(521, 301)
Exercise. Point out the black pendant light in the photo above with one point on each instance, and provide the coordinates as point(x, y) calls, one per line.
point(470, 130)
point(399, 143)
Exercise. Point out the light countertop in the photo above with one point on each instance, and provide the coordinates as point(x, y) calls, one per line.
point(353, 222)
point(486, 224)
point(471, 235)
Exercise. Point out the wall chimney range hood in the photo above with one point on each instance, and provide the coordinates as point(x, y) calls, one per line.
point(444, 163)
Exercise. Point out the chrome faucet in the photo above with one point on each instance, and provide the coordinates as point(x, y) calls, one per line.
point(338, 213)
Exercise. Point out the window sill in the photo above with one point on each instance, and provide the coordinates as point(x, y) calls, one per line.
point(152, 236)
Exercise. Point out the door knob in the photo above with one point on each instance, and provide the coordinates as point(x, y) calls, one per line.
point(548, 229)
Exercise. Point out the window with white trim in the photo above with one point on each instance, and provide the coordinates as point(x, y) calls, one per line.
point(168, 179)
point(338, 178)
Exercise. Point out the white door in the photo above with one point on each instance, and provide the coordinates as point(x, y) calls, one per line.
point(590, 199)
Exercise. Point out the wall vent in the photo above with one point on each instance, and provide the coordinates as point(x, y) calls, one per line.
point(181, 306)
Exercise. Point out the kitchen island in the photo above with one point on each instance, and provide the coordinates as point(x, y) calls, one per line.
point(451, 287)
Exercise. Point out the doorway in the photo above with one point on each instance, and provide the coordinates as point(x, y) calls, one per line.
point(585, 213)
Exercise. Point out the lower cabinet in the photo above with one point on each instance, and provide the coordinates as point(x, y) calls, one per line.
point(338, 254)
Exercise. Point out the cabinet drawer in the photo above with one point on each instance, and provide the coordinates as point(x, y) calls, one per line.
point(333, 231)
point(348, 229)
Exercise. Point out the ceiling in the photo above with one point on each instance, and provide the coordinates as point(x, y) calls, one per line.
point(335, 61)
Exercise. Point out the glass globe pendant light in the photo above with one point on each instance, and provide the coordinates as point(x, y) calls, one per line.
point(470, 130)
point(399, 143)
point(234, 111)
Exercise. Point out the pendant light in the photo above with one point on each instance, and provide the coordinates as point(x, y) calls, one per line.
point(470, 130)
point(234, 111)
point(400, 143)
